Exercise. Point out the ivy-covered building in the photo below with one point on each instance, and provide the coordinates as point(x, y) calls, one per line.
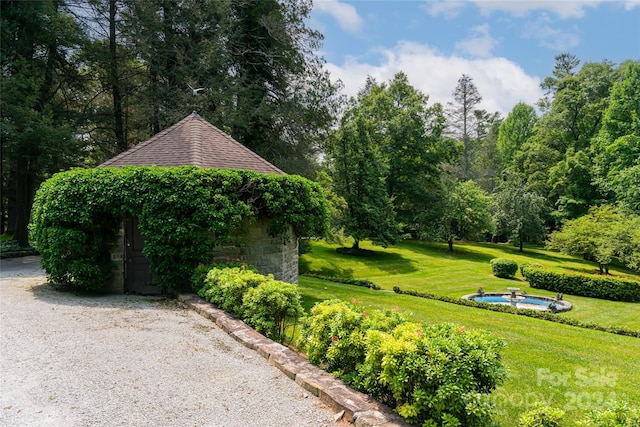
point(194, 141)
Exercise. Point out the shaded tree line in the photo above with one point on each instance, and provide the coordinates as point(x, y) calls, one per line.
point(471, 174)
point(83, 81)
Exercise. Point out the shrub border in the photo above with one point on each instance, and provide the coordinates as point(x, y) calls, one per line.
point(346, 280)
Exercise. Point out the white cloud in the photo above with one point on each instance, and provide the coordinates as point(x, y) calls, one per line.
point(631, 4)
point(502, 83)
point(345, 14)
point(559, 40)
point(447, 9)
point(562, 8)
point(479, 44)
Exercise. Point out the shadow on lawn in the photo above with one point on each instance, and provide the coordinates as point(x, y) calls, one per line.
point(389, 262)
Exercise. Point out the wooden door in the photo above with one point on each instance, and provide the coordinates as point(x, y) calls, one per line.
point(138, 276)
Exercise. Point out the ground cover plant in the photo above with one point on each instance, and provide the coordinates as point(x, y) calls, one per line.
point(573, 369)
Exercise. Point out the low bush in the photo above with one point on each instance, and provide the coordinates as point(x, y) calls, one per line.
point(225, 287)
point(267, 305)
point(333, 334)
point(542, 416)
point(200, 273)
point(272, 307)
point(346, 280)
point(613, 414)
point(436, 374)
point(604, 287)
point(503, 267)
point(430, 374)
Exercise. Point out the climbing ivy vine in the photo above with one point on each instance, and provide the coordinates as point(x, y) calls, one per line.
point(77, 215)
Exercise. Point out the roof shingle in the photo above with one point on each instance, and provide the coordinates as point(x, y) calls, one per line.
point(193, 141)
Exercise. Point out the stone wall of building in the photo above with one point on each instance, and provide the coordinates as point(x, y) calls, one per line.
point(270, 255)
point(251, 244)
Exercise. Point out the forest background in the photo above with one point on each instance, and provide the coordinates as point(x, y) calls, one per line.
point(84, 81)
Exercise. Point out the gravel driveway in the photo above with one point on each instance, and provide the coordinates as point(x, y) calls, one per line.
point(119, 360)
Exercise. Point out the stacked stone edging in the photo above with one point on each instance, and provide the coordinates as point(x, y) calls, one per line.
point(358, 408)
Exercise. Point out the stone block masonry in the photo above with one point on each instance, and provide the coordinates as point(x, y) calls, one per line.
point(270, 255)
point(251, 243)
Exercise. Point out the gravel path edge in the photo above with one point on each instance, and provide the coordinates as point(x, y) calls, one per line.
point(354, 406)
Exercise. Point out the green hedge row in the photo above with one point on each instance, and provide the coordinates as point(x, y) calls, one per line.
point(267, 305)
point(431, 374)
point(346, 280)
point(77, 214)
point(603, 287)
point(543, 315)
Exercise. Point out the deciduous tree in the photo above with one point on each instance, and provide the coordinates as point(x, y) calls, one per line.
point(519, 211)
point(358, 175)
point(466, 213)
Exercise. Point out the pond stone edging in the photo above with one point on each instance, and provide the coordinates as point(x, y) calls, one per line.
point(359, 409)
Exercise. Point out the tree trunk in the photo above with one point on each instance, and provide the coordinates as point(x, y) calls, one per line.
point(450, 242)
point(521, 244)
point(121, 140)
point(356, 245)
point(24, 200)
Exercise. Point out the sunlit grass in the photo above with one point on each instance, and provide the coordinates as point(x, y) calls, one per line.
point(573, 368)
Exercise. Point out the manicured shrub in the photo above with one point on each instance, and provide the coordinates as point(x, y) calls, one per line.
point(436, 374)
point(617, 414)
point(502, 267)
point(346, 280)
point(330, 324)
point(430, 374)
point(334, 334)
point(267, 305)
point(225, 287)
point(271, 308)
point(604, 287)
point(200, 273)
point(542, 416)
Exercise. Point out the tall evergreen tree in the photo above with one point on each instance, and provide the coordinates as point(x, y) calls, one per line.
point(464, 120)
point(41, 86)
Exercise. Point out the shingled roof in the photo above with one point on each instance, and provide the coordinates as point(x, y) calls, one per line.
point(193, 141)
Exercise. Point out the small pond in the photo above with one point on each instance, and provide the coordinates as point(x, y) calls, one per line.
point(521, 300)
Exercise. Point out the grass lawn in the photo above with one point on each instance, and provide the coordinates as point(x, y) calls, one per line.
point(572, 368)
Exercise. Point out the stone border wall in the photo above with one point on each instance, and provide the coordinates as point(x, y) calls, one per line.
point(353, 406)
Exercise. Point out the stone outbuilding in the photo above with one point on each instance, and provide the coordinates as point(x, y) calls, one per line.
point(194, 141)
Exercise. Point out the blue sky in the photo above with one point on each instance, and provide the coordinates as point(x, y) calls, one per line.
point(507, 47)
